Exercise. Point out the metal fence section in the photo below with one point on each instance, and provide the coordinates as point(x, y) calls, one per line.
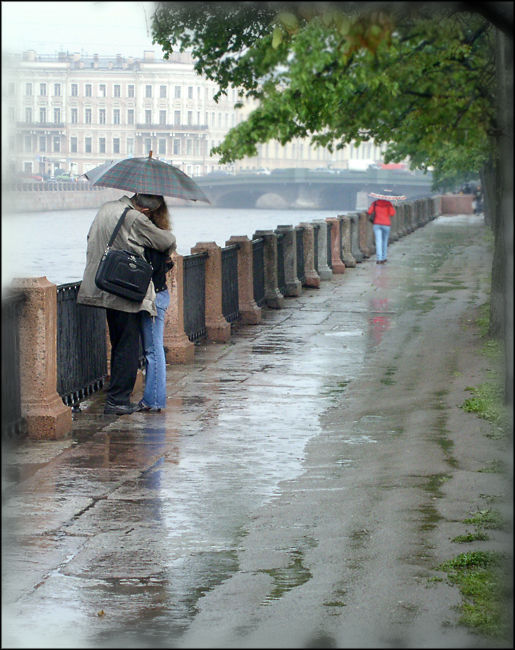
point(13, 424)
point(230, 302)
point(194, 294)
point(281, 276)
point(81, 346)
point(258, 271)
point(301, 273)
point(316, 229)
point(329, 248)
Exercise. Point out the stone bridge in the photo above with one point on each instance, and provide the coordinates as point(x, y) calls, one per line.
point(300, 188)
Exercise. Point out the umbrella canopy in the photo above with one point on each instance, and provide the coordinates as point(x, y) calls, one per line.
point(388, 197)
point(146, 176)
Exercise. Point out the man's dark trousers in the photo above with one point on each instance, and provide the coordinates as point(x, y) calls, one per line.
point(124, 332)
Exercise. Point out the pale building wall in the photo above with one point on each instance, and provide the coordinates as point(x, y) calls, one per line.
point(74, 113)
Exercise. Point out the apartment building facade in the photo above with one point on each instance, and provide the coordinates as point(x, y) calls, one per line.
point(72, 113)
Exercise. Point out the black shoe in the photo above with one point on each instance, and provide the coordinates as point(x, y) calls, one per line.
point(119, 409)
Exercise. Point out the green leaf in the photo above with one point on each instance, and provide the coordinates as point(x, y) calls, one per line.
point(277, 37)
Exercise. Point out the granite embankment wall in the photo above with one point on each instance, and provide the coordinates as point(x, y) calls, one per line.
point(25, 200)
point(37, 200)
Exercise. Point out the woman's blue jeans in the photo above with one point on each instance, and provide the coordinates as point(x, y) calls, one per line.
point(155, 374)
point(381, 234)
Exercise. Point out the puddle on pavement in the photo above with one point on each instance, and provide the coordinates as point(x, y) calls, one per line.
point(293, 575)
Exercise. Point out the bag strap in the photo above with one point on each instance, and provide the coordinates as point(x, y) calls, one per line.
point(117, 229)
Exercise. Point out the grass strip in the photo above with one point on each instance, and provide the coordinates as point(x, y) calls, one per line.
point(482, 578)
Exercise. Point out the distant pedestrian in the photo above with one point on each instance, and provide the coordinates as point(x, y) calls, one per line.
point(123, 316)
point(152, 327)
point(383, 211)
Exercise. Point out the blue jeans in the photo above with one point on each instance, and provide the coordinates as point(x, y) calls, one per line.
point(381, 233)
point(152, 328)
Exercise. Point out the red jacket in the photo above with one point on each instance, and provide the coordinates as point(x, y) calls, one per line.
point(384, 210)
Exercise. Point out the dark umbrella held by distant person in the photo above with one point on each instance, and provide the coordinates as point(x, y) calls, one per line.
point(146, 176)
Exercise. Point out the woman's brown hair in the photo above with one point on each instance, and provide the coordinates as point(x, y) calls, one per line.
point(157, 209)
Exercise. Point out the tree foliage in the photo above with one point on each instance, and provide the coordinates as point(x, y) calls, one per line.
point(421, 81)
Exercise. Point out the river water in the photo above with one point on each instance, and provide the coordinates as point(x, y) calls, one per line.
point(53, 244)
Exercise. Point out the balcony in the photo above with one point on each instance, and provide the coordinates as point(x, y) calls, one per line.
point(40, 126)
point(159, 128)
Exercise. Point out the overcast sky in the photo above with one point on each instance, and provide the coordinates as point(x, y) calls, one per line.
point(86, 27)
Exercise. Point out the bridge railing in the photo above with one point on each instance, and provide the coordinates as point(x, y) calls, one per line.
point(299, 235)
point(281, 275)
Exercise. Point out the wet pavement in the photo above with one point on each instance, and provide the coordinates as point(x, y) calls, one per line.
point(302, 484)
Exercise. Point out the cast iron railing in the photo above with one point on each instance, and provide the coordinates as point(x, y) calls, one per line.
point(194, 296)
point(329, 247)
point(281, 276)
point(299, 235)
point(81, 346)
point(13, 424)
point(258, 271)
point(316, 229)
point(230, 301)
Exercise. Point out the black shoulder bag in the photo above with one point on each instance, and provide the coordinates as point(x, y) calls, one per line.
point(372, 216)
point(121, 272)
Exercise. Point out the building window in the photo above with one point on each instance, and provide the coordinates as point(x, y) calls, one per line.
point(42, 143)
point(219, 119)
point(57, 143)
point(177, 118)
point(42, 115)
point(12, 88)
point(162, 117)
point(176, 147)
point(233, 120)
point(198, 92)
point(101, 145)
point(212, 119)
point(130, 91)
point(74, 116)
point(198, 117)
point(130, 116)
point(73, 145)
point(102, 90)
point(88, 90)
point(206, 118)
point(11, 143)
point(28, 115)
point(148, 117)
point(28, 89)
point(162, 91)
point(57, 115)
point(197, 147)
point(189, 147)
point(148, 91)
point(28, 143)
point(75, 90)
point(190, 118)
point(11, 114)
point(116, 145)
point(42, 89)
point(130, 146)
point(117, 90)
point(148, 145)
point(87, 116)
point(116, 116)
point(57, 90)
point(162, 146)
point(190, 92)
point(87, 145)
point(102, 116)
point(227, 119)
point(177, 92)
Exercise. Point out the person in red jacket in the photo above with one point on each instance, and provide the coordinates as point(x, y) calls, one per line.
point(383, 211)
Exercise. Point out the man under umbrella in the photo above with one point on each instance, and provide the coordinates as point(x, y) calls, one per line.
point(123, 316)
